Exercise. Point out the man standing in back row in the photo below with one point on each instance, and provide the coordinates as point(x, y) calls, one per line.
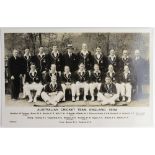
point(85, 57)
point(125, 60)
point(113, 60)
point(26, 61)
point(101, 60)
point(70, 59)
point(55, 57)
point(40, 60)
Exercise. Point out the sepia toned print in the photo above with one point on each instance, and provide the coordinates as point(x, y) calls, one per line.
point(77, 69)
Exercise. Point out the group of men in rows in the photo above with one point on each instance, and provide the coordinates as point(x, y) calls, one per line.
point(50, 75)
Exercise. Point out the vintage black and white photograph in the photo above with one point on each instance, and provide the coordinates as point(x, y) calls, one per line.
point(70, 69)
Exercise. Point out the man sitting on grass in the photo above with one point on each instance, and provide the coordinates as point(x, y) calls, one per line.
point(108, 93)
point(52, 92)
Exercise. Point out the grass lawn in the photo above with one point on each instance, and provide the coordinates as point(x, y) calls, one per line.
point(23, 103)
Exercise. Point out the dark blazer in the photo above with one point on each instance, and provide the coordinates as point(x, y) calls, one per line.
point(82, 78)
point(58, 61)
point(125, 62)
point(114, 76)
point(40, 62)
point(102, 62)
point(69, 79)
point(130, 78)
point(96, 77)
point(87, 60)
point(33, 78)
point(49, 88)
point(71, 61)
point(25, 64)
point(111, 90)
point(48, 77)
point(114, 62)
point(14, 66)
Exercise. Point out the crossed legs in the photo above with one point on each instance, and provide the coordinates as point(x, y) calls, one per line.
point(52, 98)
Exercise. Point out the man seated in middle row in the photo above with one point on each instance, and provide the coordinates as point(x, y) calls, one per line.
point(33, 81)
point(126, 80)
point(67, 82)
point(114, 78)
point(96, 80)
point(52, 71)
point(82, 81)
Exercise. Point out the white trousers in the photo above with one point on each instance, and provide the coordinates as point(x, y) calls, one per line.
point(126, 89)
point(106, 99)
point(33, 86)
point(93, 86)
point(118, 88)
point(72, 87)
point(82, 85)
point(52, 97)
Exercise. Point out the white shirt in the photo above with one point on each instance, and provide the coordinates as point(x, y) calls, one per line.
point(81, 72)
point(55, 53)
point(53, 84)
point(33, 72)
point(15, 57)
point(27, 56)
point(110, 73)
point(97, 72)
point(67, 74)
point(41, 55)
point(52, 72)
point(70, 54)
point(126, 74)
point(98, 55)
point(84, 52)
point(112, 57)
point(108, 85)
point(125, 57)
